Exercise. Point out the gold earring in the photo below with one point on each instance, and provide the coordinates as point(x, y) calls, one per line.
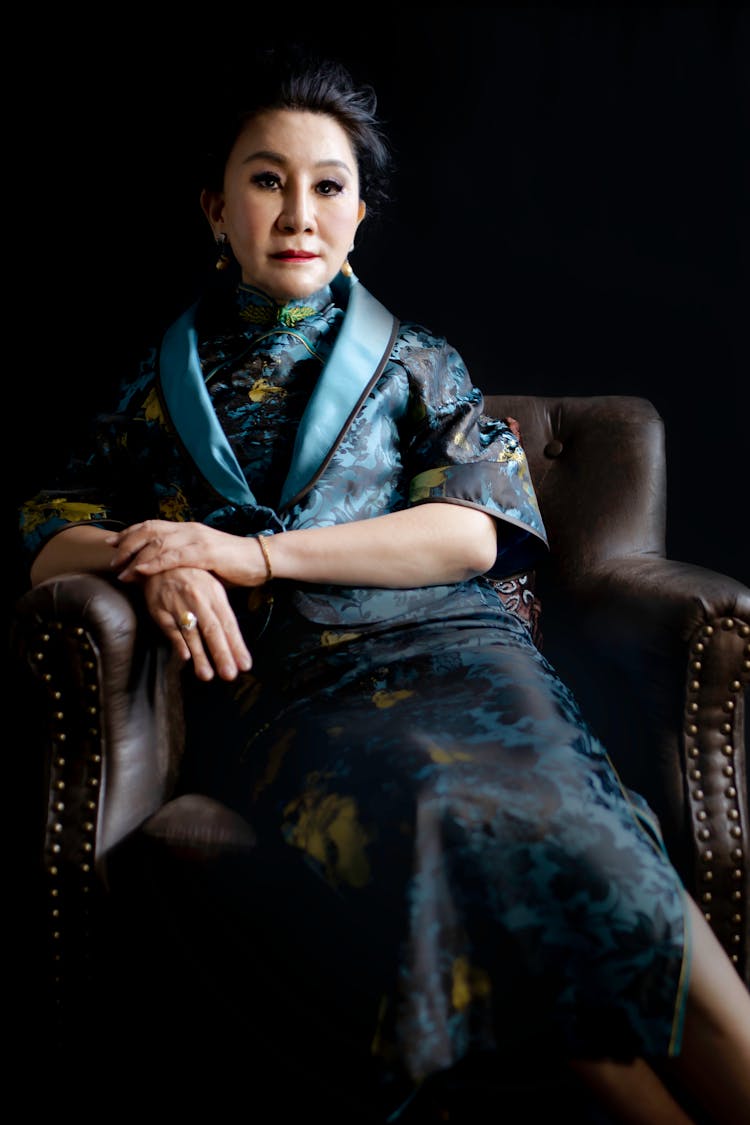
point(222, 247)
point(346, 269)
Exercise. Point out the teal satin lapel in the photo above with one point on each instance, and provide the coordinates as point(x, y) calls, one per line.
point(357, 358)
point(361, 349)
point(192, 413)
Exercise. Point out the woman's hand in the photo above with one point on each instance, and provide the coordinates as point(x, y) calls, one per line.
point(214, 641)
point(156, 546)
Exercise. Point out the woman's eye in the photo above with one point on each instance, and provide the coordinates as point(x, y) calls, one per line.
point(329, 187)
point(266, 179)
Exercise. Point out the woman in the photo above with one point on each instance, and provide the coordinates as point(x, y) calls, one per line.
point(315, 508)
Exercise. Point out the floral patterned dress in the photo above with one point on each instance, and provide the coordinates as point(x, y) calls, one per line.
point(448, 865)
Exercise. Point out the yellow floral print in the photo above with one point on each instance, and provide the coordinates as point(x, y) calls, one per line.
point(469, 983)
point(152, 408)
point(331, 637)
point(431, 480)
point(36, 514)
point(175, 507)
point(445, 757)
point(385, 699)
point(262, 389)
point(328, 829)
point(505, 456)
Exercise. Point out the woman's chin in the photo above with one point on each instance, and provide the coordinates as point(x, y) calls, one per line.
point(291, 283)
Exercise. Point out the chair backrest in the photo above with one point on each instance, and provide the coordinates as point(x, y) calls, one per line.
point(598, 464)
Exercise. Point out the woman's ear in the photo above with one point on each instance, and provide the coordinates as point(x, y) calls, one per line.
point(361, 211)
point(212, 204)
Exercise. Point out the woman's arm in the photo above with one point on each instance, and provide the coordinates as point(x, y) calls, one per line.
point(426, 545)
point(422, 546)
point(80, 547)
point(186, 566)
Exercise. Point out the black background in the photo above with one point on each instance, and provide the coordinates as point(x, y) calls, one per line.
point(570, 210)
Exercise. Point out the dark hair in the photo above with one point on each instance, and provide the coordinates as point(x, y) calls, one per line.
point(293, 78)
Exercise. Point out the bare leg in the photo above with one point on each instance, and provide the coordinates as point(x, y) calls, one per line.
point(713, 1068)
point(631, 1092)
point(714, 1064)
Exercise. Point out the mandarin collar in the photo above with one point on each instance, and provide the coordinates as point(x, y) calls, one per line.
point(257, 310)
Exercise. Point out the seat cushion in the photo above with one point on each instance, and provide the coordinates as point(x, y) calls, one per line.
point(198, 827)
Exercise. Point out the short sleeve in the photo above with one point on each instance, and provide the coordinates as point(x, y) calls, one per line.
point(456, 453)
point(99, 485)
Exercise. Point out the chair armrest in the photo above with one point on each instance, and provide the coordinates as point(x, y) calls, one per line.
point(104, 699)
point(658, 652)
point(100, 693)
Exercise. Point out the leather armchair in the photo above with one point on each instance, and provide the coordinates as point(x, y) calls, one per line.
point(657, 650)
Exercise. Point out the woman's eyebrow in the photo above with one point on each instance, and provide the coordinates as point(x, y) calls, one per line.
point(279, 158)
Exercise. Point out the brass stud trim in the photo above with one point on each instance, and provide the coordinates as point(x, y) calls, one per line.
point(695, 727)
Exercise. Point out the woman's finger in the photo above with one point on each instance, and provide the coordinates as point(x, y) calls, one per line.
point(188, 641)
point(228, 652)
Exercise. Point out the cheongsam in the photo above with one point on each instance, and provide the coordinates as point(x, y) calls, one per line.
point(446, 853)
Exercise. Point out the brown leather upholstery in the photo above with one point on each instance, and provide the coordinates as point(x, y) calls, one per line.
point(657, 650)
point(598, 465)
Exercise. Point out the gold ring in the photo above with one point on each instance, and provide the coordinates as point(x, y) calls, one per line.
point(188, 621)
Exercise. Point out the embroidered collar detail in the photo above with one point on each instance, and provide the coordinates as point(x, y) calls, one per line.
point(257, 309)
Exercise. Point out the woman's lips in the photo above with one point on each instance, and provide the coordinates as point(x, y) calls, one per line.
point(294, 256)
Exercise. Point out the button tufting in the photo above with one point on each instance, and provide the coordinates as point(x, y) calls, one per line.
point(553, 448)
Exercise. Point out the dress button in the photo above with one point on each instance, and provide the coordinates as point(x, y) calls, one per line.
point(553, 448)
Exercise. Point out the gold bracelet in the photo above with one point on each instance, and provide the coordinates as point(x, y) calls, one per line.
point(266, 556)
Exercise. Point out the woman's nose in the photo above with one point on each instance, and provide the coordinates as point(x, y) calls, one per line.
point(297, 213)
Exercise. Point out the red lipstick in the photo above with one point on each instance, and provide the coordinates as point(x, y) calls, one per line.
point(294, 255)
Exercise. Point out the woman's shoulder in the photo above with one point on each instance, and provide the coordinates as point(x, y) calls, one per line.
point(426, 355)
point(414, 337)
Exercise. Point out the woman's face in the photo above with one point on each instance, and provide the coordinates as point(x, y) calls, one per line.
point(290, 205)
